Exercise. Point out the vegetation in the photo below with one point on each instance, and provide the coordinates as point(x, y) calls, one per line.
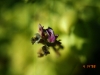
point(77, 22)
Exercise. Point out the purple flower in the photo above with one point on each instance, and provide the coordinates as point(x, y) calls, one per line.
point(51, 36)
point(47, 34)
point(48, 39)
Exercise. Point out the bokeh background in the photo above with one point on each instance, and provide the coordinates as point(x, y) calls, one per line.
point(77, 22)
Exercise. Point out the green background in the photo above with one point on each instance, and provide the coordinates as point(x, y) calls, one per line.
point(77, 22)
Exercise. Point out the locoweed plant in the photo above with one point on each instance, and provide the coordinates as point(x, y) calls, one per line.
point(48, 39)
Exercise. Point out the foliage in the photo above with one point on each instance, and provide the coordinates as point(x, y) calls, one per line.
point(76, 22)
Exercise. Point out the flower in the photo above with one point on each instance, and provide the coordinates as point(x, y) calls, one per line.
point(51, 36)
point(47, 34)
point(48, 39)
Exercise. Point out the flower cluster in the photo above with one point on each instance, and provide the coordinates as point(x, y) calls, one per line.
point(48, 39)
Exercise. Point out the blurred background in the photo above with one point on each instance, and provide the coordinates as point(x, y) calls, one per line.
point(77, 22)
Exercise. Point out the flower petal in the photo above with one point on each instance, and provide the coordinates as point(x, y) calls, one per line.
point(51, 36)
point(41, 30)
